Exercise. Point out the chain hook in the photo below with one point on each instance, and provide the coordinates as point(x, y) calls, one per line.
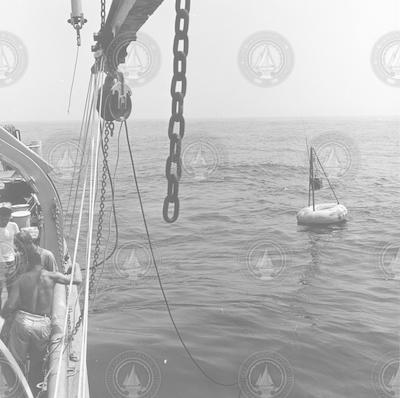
point(77, 23)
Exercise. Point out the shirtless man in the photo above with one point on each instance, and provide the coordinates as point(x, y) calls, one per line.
point(32, 298)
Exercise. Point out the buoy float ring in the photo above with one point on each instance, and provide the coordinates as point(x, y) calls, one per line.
point(324, 214)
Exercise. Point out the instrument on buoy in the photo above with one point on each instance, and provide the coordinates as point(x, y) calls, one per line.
point(325, 213)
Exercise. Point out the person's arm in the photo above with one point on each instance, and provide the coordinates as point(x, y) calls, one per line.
point(12, 302)
point(50, 263)
point(58, 277)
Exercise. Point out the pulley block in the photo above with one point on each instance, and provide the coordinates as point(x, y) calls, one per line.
point(114, 101)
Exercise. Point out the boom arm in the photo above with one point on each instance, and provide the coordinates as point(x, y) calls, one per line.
point(126, 16)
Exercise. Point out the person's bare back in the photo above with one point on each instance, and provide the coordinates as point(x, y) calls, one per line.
point(36, 292)
point(33, 290)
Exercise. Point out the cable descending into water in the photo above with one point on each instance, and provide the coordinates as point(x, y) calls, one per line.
point(112, 214)
point(178, 333)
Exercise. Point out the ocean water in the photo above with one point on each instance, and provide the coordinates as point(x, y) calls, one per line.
point(275, 309)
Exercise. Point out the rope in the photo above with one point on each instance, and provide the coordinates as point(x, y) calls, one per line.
point(112, 213)
point(95, 146)
point(72, 279)
point(75, 247)
point(73, 79)
point(178, 333)
point(326, 176)
point(84, 127)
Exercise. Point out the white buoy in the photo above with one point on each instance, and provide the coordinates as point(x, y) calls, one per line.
point(322, 214)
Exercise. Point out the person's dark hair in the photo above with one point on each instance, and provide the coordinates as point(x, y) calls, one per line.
point(23, 238)
point(24, 243)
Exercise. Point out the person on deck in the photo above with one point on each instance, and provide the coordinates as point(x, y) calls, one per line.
point(8, 230)
point(32, 298)
point(24, 242)
point(47, 257)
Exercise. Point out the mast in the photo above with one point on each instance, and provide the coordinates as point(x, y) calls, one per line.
point(311, 192)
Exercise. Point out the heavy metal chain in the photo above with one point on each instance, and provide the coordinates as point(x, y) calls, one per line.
point(108, 130)
point(103, 12)
point(63, 257)
point(76, 327)
point(176, 128)
point(60, 236)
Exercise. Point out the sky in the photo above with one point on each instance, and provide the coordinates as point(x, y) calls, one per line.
point(332, 41)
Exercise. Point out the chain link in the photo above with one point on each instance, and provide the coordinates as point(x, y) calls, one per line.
point(103, 12)
point(60, 236)
point(108, 130)
point(173, 168)
point(63, 258)
point(76, 327)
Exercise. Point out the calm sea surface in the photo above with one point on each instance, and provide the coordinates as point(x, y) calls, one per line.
point(285, 310)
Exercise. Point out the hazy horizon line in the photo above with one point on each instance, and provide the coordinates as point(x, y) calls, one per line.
point(188, 119)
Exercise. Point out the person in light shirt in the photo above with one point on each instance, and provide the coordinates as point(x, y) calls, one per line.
point(8, 230)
